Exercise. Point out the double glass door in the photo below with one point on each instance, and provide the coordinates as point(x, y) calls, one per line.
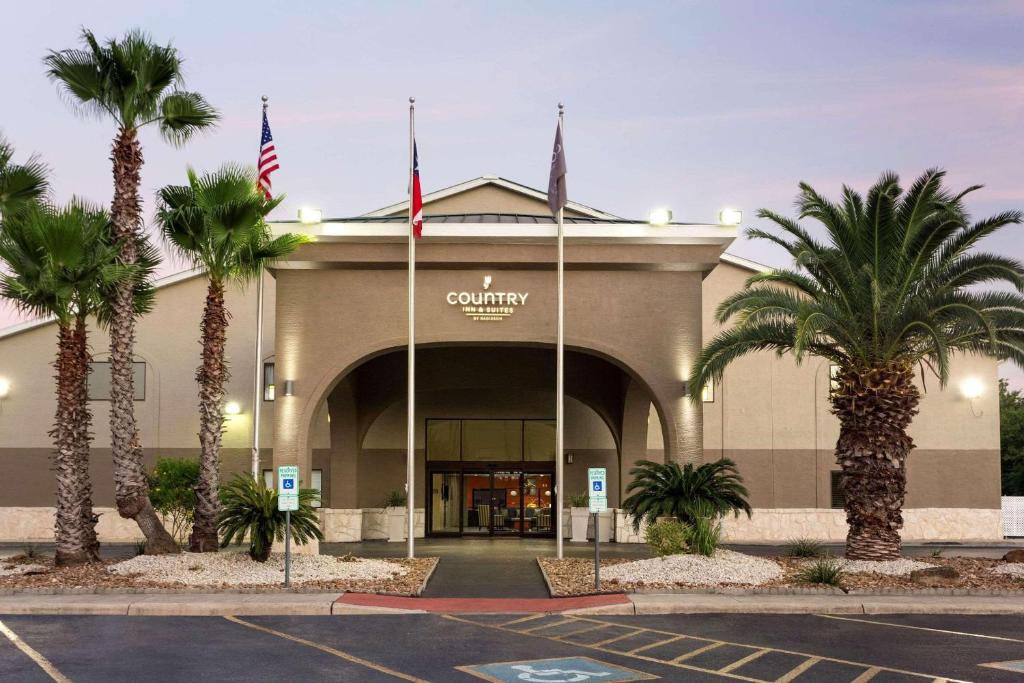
point(495, 502)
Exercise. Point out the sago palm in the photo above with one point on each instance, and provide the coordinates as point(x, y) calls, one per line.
point(891, 286)
point(686, 492)
point(134, 83)
point(217, 223)
point(58, 263)
point(20, 184)
point(249, 510)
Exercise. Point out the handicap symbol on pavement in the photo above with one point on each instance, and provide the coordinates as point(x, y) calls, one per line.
point(560, 670)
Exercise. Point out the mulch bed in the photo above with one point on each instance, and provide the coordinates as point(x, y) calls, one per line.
point(94, 578)
point(573, 576)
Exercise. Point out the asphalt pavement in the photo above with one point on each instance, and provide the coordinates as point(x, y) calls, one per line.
point(514, 647)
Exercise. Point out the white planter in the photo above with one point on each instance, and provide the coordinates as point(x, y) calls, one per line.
point(607, 525)
point(397, 523)
point(341, 525)
point(579, 518)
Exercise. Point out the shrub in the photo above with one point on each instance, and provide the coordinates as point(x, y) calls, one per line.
point(804, 547)
point(668, 537)
point(396, 499)
point(685, 492)
point(826, 571)
point(249, 508)
point(705, 535)
point(172, 485)
point(580, 500)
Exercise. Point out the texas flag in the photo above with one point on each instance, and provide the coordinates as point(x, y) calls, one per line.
point(416, 207)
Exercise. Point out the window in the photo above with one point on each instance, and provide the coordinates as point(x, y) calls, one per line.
point(99, 380)
point(444, 440)
point(838, 497)
point(539, 439)
point(268, 381)
point(483, 440)
point(707, 394)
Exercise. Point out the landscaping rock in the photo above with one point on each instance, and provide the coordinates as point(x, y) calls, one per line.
point(935, 577)
point(1016, 555)
point(33, 569)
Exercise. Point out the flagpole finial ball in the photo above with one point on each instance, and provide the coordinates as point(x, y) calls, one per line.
point(412, 100)
point(264, 98)
point(561, 106)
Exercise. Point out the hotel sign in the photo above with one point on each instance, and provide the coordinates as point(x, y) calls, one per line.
point(487, 304)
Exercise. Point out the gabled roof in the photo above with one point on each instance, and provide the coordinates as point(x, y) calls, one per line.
point(504, 183)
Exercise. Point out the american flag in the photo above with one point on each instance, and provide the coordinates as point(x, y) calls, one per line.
point(417, 197)
point(268, 158)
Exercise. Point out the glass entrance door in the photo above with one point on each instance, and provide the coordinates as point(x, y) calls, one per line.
point(476, 503)
point(506, 503)
point(538, 503)
point(444, 503)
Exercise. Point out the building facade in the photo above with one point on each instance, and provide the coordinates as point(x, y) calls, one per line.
point(640, 301)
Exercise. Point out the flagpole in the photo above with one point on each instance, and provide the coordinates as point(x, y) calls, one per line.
point(410, 425)
point(257, 400)
point(560, 370)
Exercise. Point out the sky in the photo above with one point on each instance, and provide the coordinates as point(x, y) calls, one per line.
point(688, 105)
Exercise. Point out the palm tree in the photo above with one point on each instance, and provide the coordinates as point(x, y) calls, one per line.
point(135, 83)
point(893, 287)
point(59, 261)
point(20, 184)
point(217, 223)
point(686, 492)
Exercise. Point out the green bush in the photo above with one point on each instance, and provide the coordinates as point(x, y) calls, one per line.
point(826, 571)
point(580, 500)
point(804, 547)
point(668, 537)
point(172, 485)
point(249, 509)
point(396, 499)
point(685, 492)
point(705, 535)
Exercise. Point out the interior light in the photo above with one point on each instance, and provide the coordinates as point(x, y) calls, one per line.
point(310, 216)
point(660, 216)
point(5, 388)
point(972, 388)
point(730, 217)
point(547, 493)
point(513, 492)
point(232, 408)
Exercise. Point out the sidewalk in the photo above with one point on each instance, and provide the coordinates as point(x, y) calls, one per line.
point(277, 604)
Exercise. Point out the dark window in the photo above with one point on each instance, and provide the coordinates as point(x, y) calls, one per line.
point(99, 380)
point(838, 497)
point(268, 381)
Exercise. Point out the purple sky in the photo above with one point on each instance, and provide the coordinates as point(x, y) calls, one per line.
point(686, 105)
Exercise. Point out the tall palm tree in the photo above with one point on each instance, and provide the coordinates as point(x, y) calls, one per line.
point(58, 262)
point(22, 183)
point(217, 223)
point(135, 83)
point(893, 287)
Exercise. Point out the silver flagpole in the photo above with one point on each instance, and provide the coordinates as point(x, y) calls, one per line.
point(560, 369)
point(257, 400)
point(410, 425)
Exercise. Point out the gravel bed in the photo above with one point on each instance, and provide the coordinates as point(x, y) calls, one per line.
point(901, 567)
point(724, 567)
point(237, 569)
point(1011, 569)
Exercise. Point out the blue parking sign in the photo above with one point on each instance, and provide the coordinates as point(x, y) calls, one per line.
point(288, 484)
point(598, 486)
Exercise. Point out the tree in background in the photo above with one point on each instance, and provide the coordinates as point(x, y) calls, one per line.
point(60, 262)
point(891, 288)
point(172, 484)
point(217, 223)
point(20, 184)
point(1011, 438)
point(135, 83)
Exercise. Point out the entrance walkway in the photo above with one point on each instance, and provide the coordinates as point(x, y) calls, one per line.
point(485, 567)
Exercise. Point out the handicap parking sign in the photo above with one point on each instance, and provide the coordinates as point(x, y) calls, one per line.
point(598, 486)
point(288, 484)
point(560, 670)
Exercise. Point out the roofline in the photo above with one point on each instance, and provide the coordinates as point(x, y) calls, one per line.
point(745, 263)
point(489, 180)
point(159, 283)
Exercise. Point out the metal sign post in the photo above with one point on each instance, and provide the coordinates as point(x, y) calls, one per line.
point(287, 502)
point(598, 488)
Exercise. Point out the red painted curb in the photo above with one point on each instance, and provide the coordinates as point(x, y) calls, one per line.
point(482, 604)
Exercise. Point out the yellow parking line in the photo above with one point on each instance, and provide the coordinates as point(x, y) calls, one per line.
point(520, 620)
point(329, 650)
point(41, 661)
point(740, 662)
point(654, 645)
point(698, 651)
point(576, 633)
point(618, 638)
point(921, 628)
point(563, 622)
point(799, 669)
point(867, 675)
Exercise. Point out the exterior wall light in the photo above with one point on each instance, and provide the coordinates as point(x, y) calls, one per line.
point(660, 217)
point(310, 216)
point(972, 388)
point(5, 388)
point(232, 408)
point(730, 217)
point(289, 388)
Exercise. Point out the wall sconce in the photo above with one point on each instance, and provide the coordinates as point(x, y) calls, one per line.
point(289, 388)
point(5, 388)
point(660, 216)
point(730, 217)
point(232, 408)
point(568, 458)
point(310, 216)
point(972, 388)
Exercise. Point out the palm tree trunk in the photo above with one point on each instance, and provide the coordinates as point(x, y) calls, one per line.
point(212, 375)
point(875, 407)
point(75, 539)
point(83, 435)
point(131, 490)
